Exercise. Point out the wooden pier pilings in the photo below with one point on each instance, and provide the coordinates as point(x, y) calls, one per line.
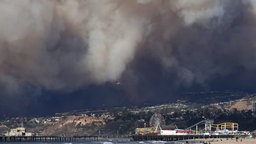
point(47, 139)
point(101, 138)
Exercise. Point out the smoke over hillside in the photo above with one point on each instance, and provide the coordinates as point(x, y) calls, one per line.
point(153, 47)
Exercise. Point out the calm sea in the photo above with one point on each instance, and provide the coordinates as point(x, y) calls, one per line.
point(108, 142)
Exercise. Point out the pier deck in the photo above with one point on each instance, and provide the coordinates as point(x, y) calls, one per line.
point(48, 138)
point(101, 138)
point(177, 137)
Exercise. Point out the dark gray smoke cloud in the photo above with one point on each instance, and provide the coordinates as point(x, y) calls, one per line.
point(151, 47)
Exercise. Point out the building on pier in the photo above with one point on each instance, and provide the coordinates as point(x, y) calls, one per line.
point(19, 131)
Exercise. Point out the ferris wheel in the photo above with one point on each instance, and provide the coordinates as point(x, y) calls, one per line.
point(156, 121)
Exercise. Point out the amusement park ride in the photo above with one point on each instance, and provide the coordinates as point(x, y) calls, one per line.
point(204, 127)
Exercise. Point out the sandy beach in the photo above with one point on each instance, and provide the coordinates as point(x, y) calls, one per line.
point(225, 141)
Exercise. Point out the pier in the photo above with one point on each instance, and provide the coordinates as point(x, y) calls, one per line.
point(178, 137)
point(105, 138)
point(50, 138)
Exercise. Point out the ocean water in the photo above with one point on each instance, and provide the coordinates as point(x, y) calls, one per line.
point(106, 142)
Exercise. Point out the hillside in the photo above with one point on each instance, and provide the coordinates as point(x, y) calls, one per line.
point(123, 121)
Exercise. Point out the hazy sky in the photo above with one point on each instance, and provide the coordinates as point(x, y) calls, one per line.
point(58, 55)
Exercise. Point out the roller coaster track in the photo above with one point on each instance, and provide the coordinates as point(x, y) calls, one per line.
point(207, 125)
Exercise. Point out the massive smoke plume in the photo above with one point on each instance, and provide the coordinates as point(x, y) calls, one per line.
point(151, 46)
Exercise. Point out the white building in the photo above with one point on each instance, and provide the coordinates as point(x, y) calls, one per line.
point(19, 131)
point(174, 132)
